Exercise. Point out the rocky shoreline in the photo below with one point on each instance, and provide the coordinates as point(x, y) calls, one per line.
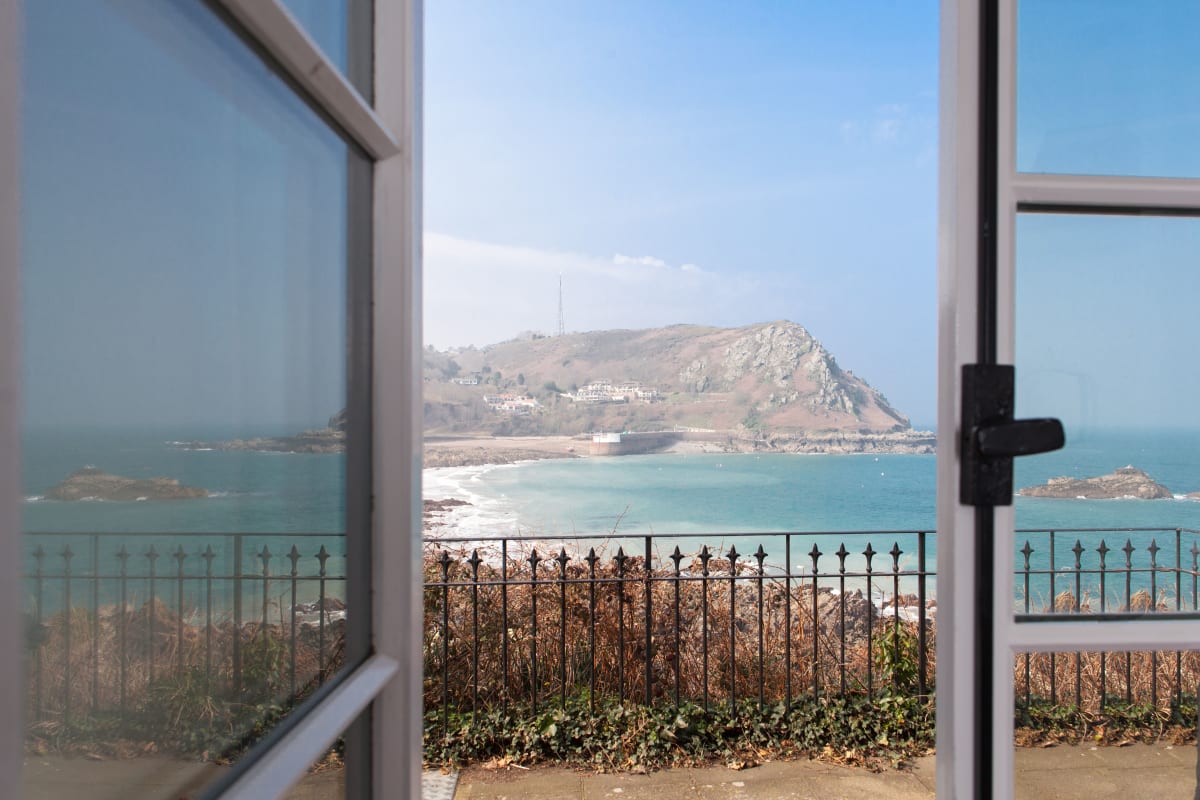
point(843, 443)
point(481, 451)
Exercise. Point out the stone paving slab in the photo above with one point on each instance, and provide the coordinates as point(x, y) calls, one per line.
point(438, 785)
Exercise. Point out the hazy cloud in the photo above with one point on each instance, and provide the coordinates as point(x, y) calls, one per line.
point(645, 261)
point(485, 292)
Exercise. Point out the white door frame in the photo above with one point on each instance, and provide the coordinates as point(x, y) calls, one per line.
point(962, 119)
point(12, 644)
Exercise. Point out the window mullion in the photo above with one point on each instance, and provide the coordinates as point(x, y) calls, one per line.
point(278, 32)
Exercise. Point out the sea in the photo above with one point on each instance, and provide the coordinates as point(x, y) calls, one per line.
point(276, 501)
point(830, 502)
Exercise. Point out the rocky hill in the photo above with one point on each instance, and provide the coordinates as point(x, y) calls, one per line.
point(766, 380)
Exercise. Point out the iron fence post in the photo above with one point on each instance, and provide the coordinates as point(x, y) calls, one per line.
point(922, 640)
point(869, 554)
point(733, 557)
point(533, 665)
point(591, 559)
point(236, 541)
point(649, 623)
point(841, 554)
point(815, 554)
point(95, 622)
point(677, 557)
point(67, 553)
point(562, 630)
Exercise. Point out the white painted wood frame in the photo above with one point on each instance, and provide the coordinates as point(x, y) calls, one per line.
point(277, 770)
point(273, 26)
point(958, 211)
point(12, 645)
point(397, 580)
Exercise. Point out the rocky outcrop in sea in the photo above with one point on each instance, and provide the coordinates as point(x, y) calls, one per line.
point(1125, 482)
point(330, 439)
point(91, 483)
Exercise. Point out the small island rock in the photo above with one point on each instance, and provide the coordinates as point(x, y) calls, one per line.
point(1124, 482)
point(90, 483)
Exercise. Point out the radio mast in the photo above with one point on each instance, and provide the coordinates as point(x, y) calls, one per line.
point(562, 327)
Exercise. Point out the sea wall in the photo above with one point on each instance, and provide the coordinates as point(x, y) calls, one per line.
point(630, 443)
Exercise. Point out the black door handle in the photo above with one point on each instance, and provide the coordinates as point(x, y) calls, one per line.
point(991, 438)
point(1022, 437)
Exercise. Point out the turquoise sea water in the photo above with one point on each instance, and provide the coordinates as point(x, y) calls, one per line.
point(700, 497)
point(270, 500)
point(697, 498)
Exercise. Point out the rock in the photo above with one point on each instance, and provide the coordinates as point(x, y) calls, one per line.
point(1124, 482)
point(320, 440)
point(433, 509)
point(90, 483)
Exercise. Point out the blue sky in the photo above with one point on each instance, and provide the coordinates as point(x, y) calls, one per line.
point(701, 162)
point(184, 227)
point(710, 163)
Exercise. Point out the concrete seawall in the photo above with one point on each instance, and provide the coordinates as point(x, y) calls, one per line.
point(624, 444)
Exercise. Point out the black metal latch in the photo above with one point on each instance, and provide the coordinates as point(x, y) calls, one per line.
point(991, 438)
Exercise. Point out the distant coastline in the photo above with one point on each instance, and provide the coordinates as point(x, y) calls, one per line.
point(472, 451)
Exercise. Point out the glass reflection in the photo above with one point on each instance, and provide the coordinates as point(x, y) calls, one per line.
point(1105, 342)
point(185, 240)
point(1105, 724)
point(1108, 87)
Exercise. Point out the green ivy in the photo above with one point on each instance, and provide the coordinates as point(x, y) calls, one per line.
point(855, 728)
point(1041, 721)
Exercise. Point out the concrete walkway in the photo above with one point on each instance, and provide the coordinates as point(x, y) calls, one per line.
point(1160, 772)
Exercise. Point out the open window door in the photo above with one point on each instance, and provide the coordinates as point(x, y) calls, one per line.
point(1069, 237)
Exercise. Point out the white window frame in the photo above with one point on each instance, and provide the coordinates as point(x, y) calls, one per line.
point(389, 682)
point(959, 190)
point(12, 645)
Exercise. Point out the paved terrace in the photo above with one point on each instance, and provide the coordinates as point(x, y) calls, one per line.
point(1054, 773)
point(1145, 772)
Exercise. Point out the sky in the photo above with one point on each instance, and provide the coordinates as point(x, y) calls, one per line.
point(185, 219)
point(183, 228)
point(702, 162)
point(1105, 305)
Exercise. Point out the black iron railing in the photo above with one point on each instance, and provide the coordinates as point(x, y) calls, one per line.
point(705, 618)
point(702, 618)
point(771, 616)
point(1107, 573)
point(108, 615)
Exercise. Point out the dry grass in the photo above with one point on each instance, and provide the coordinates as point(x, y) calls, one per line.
point(591, 633)
point(143, 676)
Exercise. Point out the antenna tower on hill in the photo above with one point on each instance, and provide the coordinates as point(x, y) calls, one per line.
point(562, 327)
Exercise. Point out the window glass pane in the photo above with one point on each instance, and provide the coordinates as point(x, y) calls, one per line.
point(1105, 724)
point(1108, 87)
point(185, 244)
point(1110, 523)
point(328, 22)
